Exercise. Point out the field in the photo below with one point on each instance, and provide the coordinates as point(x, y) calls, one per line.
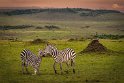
point(90, 67)
point(68, 30)
point(69, 25)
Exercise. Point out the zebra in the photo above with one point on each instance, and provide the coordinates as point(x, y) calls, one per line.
point(64, 56)
point(28, 58)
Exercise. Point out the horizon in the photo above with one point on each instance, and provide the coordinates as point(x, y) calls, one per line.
point(86, 4)
point(53, 8)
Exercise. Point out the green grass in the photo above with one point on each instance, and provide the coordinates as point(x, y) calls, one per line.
point(70, 28)
point(67, 30)
point(90, 67)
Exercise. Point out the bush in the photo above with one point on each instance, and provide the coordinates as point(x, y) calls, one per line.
point(50, 27)
point(71, 39)
point(105, 36)
point(8, 27)
point(39, 27)
point(38, 41)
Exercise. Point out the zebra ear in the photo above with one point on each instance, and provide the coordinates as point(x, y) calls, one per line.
point(53, 44)
point(47, 44)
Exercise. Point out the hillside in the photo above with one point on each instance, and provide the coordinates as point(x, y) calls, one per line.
point(63, 14)
point(59, 23)
point(96, 62)
point(80, 11)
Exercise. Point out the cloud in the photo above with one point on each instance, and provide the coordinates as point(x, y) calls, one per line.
point(116, 6)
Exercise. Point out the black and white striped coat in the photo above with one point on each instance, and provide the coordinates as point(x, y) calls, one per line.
point(30, 59)
point(67, 55)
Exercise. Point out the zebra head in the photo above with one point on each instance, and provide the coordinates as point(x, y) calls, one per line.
point(50, 49)
point(41, 53)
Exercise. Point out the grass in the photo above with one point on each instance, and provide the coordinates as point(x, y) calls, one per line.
point(103, 24)
point(90, 67)
point(66, 31)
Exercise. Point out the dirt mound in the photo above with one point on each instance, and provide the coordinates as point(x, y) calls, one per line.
point(95, 46)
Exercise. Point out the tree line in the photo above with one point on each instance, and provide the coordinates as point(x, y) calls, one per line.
point(108, 36)
point(80, 11)
point(8, 27)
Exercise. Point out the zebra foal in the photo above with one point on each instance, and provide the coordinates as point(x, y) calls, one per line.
point(30, 59)
point(64, 56)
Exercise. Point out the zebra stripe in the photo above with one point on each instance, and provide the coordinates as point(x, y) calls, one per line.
point(30, 59)
point(62, 56)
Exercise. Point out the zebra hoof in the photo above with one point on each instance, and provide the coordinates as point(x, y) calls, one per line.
point(73, 70)
point(55, 72)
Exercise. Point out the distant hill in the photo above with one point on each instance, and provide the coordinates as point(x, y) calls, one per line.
point(78, 11)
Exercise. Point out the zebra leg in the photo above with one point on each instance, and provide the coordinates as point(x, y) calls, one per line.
point(61, 68)
point(54, 67)
point(26, 67)
point(27, 70)
point(23, 67)
point(67, 67)
point(35, 71)
point(38, 71)
point(73, 65)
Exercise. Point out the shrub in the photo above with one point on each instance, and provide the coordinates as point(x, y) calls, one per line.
point(50, 27)
point(7, 27)
point(71, 39)
point(39, 27)
point(38, 41)
point(109, 36)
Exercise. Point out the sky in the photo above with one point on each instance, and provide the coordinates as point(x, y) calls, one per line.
point(92, 4)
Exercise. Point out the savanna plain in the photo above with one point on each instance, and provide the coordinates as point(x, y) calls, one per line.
point(62, 29)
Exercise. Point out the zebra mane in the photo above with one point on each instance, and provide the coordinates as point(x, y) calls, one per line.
point(40, 53)
point(53, 48)
point(31, 53)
